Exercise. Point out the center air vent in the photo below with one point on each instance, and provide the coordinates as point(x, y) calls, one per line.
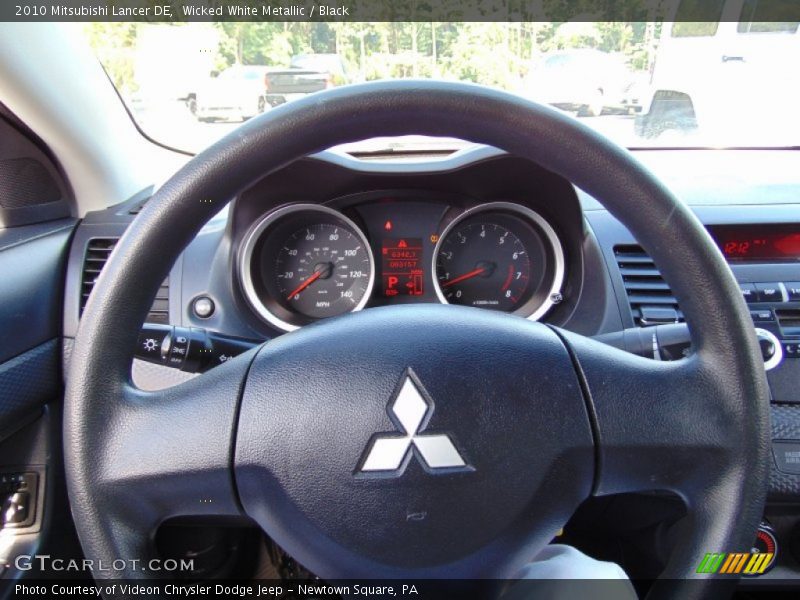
point(649, 296)
point(97, 253)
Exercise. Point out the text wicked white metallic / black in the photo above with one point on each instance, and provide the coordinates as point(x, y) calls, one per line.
point(390, 453)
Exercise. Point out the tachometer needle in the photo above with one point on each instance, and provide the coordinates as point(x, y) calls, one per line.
point(460, 278)
point(305, 284)
point(510, 276)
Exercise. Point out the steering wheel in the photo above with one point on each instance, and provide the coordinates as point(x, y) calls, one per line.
point(507, 425)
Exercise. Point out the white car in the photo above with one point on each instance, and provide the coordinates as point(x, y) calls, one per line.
point(236, 93)
point(583, 80)
point(734, 74)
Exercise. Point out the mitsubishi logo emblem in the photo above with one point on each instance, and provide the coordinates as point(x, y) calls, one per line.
point(411, 411)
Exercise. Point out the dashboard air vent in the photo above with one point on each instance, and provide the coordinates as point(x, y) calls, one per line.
point(649, 296)
point(97, 253)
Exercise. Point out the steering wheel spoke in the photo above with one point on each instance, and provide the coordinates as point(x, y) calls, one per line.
point(660, 425)
point(670, 426)
point(165, 454)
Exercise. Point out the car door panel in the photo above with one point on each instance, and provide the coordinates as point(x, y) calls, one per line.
point(32, 268)
point(31, 295)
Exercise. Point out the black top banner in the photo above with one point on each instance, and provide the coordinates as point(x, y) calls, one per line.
point(178, 11)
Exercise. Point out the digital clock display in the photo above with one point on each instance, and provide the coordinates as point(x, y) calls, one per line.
point(758, 243)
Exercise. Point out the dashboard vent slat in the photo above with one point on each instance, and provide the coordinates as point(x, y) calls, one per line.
point(640, 272)
point(656, 286)
point(97, 252)
point(645, 288)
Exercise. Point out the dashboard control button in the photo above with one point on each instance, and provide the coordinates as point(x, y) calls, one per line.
point(771, 348)
point(787, 456)
point(203, 307)
point(749, 292)
point(190, 349)
point(769, 292)
point(793, 290)
point(16, 508)
point(151, 341)
point(791, 349)
point(225, 348)
point(759, 316)
point(17, 499)
point(10, 482)
point(178, 349)
point(767, 349)
point(766, 543)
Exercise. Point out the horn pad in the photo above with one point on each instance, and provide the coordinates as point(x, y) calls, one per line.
point(419, 440)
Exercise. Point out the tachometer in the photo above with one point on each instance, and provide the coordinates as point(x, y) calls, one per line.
point(306, 262)
point(500, 256)
point(484, 264)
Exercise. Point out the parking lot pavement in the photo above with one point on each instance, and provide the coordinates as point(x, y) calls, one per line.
point(171, 123)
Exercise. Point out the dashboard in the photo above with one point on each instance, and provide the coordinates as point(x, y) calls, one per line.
point(335, 233)
point(305, 262)
point(352, 240)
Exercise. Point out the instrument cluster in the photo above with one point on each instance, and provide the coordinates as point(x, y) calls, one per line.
point(304, 262)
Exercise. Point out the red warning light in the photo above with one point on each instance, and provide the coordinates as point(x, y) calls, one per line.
point(387, 226)
point(402, 244)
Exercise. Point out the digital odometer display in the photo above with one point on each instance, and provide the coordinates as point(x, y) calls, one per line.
point(758, 243)
point(402, 269)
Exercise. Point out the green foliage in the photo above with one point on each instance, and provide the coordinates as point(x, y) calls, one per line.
point(491, 53)
point(114, 45)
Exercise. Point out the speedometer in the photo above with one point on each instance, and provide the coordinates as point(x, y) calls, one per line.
point(303, 263)
point(500, 256)
point(321, 270)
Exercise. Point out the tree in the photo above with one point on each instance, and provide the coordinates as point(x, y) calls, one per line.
point(114, 45)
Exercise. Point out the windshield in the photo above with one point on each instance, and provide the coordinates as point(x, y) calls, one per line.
point(644, 84)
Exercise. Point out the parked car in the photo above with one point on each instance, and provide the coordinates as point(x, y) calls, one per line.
point(734, 73)
point(332, 64)
point(284, 84)
point(586, 81)
point(235, 93)
point(306, 74)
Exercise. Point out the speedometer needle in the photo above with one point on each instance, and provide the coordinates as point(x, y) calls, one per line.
point(455, 280)
point(305, 284)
